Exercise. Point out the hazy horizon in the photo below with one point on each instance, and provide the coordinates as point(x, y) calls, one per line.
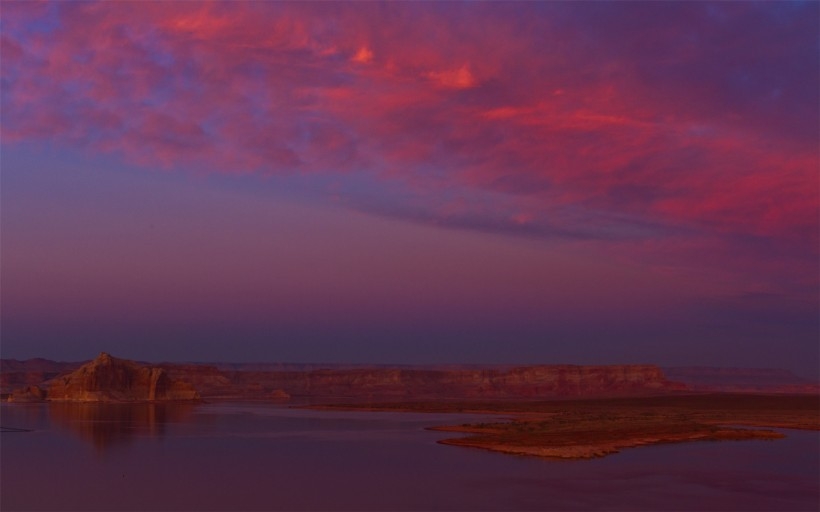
point(312, 365)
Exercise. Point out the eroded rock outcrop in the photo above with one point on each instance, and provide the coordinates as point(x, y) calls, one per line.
point(523, 381)
point(27, 394)
point(109, 379)
point(279, 395)
point(15, 375)
point(539, 381)
point(206, 378)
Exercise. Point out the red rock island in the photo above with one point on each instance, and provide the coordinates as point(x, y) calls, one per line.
point(109, 379)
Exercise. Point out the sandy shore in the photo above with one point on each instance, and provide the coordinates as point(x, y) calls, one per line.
point(581, 429)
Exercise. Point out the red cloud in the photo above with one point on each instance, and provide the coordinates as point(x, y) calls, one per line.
point(549, 118)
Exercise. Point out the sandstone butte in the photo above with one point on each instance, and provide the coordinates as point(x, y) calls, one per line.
point(109, 379)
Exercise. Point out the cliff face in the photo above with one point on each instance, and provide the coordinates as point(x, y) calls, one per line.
point(27, 394)
point(108, 379)
point(16, 374)
point(412, 383)
point(524, 381)
point(206, 379)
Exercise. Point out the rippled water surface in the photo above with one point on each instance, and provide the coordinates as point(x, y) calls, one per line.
point(268, 457)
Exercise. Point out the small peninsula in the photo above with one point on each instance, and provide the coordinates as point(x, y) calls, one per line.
point(589, 428)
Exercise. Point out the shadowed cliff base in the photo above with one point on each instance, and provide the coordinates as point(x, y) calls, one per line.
point(582, 429)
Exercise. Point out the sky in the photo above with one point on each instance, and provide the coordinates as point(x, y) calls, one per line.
point(420, 183)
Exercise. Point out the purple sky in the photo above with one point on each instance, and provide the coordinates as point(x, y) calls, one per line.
point(477, 182)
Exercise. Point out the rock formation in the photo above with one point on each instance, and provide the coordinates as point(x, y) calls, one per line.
point(427, 382)
point(27, 394)
point(279, 395)
point(109, 379)
point(16, 374)
point(207, 379)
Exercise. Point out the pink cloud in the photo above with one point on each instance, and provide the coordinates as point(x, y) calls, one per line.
point(363, 56)
point(552, 118)
point(459, 78)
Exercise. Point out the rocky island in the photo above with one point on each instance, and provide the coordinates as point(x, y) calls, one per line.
point(583, 429)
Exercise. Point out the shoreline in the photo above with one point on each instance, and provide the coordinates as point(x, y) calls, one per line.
point(592, 428)
point(600, 449)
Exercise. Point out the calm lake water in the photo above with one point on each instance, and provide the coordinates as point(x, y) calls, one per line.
point(268, 457)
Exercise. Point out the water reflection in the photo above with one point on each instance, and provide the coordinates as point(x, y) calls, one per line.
point(107, 425)
point(231, 456)
point(23, 417)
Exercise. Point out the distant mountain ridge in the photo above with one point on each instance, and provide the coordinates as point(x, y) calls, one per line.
point(111, 379)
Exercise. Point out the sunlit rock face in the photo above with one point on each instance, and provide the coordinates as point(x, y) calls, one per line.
point(523, 381)
point(27, 394)
point(109, 379)
point(15, 375)
point(207, 379)
point(543, 381)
